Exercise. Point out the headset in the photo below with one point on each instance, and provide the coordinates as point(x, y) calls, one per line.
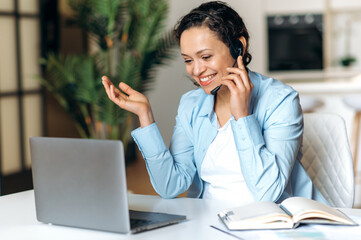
point(236, 47)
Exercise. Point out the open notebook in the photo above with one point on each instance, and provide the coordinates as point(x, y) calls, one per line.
point(82, 183)
point(289, 214)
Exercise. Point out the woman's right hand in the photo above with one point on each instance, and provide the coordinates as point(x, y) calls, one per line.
point(130, 100)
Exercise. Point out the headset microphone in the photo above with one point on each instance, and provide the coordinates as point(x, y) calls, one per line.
point(214, 91)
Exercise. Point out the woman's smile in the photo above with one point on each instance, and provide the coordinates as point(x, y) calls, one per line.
point(206, 80)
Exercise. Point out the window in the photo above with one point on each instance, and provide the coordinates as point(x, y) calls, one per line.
point(21, 96)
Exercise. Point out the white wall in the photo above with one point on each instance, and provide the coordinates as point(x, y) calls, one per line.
point(294, 6)
point(172, 80)
point(342, 23)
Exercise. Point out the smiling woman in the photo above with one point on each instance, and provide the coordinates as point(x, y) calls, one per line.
point(206, 57)
point(238, 144)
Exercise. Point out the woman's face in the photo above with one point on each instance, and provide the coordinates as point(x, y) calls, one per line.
point(206, 57)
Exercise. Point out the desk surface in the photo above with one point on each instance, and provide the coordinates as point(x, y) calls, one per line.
point(18, 221)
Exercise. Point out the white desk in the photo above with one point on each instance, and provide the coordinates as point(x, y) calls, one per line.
point(18, 221)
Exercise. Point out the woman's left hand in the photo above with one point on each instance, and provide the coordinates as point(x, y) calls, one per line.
point(241, 87)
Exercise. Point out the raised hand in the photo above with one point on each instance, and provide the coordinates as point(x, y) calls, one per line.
point(240, 87)
point(129, 99)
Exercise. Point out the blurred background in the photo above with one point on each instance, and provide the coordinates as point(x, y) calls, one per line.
point(313, 45)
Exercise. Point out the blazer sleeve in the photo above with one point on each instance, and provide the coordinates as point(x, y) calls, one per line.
point(268, 152)
point(171, 171)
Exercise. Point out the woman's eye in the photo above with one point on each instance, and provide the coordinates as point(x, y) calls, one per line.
point(187, 60)
point(206, 57)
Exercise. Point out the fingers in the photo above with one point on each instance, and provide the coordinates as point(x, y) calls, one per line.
point(106, 83)
point(105, 79)
point(109, 86)
point(123, 86)
point(130, 100)
point(116, 96)
point(113, 93)
point(241, 69)
point(240, 63)
point(126, 88)
point(240, 87)
point(241, 82)
point(239, 75)
point(231, 86)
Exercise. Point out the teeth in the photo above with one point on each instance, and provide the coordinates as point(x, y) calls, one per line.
point(207, 78)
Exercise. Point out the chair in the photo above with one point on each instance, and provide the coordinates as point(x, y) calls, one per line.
point(327, 157)
point(354, 101)
point(309, 103)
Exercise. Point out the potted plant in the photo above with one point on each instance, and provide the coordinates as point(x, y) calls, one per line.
point(131, 43)
point(348, 59)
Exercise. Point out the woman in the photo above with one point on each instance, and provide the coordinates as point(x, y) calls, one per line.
point(238, 137)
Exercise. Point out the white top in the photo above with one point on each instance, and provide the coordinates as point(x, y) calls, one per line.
point(221, 170)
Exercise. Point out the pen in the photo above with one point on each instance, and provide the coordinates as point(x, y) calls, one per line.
point(226, 232)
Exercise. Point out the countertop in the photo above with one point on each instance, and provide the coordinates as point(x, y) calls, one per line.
point(332, 85)
point(336, 81)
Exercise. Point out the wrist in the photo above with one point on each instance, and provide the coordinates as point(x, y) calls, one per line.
point(146, 118)
point(241, 115)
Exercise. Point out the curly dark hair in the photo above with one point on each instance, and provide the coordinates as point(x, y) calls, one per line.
point(220, 18)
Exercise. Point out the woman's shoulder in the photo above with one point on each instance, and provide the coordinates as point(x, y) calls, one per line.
point(269, 84)
point(271, 90)
point(275, 101)
point(194, 103)
point(274, 98)
point(193, 94)
point(192, 98)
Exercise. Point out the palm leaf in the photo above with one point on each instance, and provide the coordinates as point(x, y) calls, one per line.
point(160, 55)
point(131, 44)
point(71, 80)
point(108, 9)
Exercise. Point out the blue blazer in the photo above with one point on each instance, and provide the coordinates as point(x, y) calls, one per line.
point(268, 143)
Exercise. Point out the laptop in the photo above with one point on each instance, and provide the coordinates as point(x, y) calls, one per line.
point(82, 183)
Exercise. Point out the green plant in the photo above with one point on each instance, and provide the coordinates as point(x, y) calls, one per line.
point(131, 43)
point(347, 61)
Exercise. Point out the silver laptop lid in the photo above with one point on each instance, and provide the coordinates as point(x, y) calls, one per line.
point(80, 183)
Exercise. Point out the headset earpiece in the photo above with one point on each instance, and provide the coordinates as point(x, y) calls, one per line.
point(236, 48)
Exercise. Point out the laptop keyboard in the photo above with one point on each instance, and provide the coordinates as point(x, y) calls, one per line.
point(136, 223)
point(141, 221)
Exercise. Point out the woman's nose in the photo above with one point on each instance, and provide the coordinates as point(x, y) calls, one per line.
point(198, 68)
